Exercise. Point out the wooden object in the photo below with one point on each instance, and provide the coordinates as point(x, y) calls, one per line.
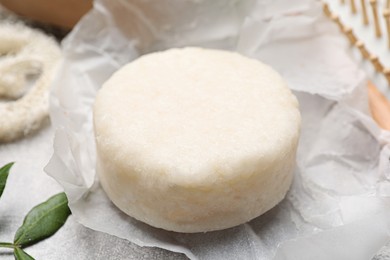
point(364, 12)
point(376, 63)
point(378, 32)
point(386, 15)
point(353, 6)
point(379, 106)
point(63, 13)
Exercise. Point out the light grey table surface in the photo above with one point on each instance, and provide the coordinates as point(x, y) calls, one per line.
point(28, 185)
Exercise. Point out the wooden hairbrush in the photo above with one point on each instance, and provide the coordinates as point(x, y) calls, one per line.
point(366, 24)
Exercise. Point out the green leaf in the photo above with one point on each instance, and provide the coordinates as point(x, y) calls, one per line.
point(43, 221)
point(21, 255)
point(4, 171)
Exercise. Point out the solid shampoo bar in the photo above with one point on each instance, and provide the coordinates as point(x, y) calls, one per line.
point(194, 140)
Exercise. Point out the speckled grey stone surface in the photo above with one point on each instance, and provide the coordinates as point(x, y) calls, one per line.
point(28, 185)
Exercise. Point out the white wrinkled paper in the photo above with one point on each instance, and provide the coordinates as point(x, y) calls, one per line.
point(337, 207)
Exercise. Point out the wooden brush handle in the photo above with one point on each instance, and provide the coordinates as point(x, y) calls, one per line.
point(379, 106)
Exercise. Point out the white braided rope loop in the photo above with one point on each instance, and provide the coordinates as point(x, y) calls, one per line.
point(24, 51)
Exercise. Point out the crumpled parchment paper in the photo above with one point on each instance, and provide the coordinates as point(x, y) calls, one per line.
point(338, 205)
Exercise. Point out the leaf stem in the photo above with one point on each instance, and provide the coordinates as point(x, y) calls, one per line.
point(7, 245)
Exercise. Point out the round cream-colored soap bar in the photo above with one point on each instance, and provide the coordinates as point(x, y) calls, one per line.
point(194, 140)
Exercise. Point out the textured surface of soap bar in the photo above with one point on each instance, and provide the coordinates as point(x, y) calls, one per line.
point(194, 140)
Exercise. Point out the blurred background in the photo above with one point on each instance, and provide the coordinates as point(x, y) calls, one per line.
point(62, 13)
